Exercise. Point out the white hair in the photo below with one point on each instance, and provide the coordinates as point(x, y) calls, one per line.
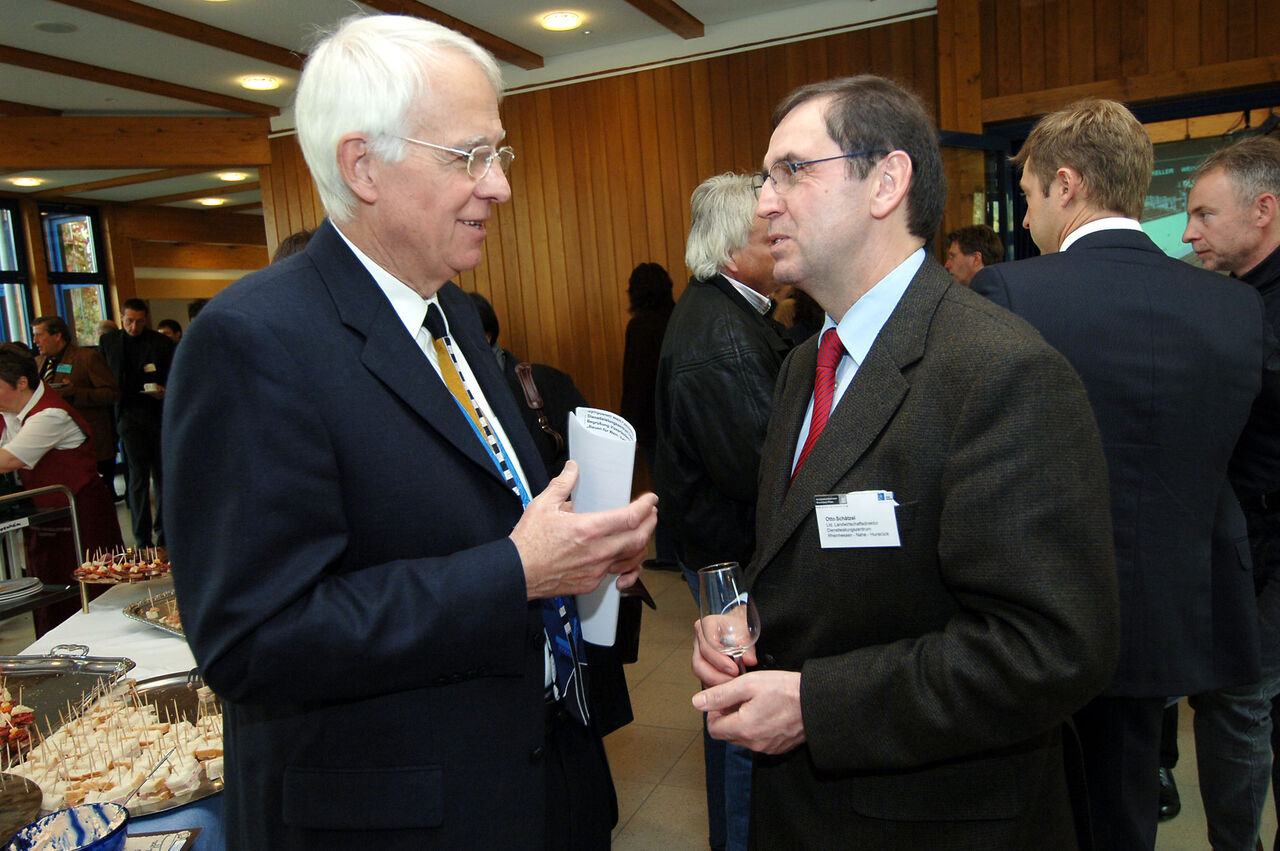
point(724, 210)
point(365, 77)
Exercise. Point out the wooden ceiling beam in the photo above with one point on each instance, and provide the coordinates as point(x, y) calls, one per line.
point(167, 22)
point(125, 180)
point(187, 255)
point(13, 108)
point(99, 142)
point(236, 208)
point(228, 189)
point(499, 47)
point(80, 71)
point(175, 224)
point(672, 17)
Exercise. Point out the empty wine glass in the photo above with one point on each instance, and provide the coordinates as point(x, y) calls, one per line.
point(729, 621)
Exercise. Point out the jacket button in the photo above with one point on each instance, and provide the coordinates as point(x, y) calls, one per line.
point(536, 754)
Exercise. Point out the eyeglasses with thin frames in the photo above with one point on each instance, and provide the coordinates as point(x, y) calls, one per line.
point(479, 158)
point(782, 174)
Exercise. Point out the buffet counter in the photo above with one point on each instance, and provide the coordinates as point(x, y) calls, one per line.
point(107, 631)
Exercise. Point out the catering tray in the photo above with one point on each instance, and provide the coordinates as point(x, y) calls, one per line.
point(180, 693)
point(61, 682)
point(165, 603)
point(175, 696)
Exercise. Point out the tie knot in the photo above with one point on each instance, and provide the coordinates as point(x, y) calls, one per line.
point(434, 322)
point(830, 350)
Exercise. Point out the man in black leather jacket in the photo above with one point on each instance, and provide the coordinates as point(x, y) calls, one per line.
point(719, 362)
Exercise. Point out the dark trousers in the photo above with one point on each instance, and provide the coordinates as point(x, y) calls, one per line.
point(582, 807)
point(1120, 739)
point(141, 439)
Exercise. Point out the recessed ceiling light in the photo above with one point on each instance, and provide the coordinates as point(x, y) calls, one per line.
point(26, 181)
point(560, 21)
point(233, 176)
point(212, 202)
point(56, 27)
point(260, 83)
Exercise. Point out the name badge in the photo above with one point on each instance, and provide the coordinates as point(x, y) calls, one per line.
point(857, 519)
point(148, 367)
point(64, 368)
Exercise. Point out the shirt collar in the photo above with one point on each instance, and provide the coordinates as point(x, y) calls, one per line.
point(31, 403)
point(862, 322)
point(408, 305)
point(759, 302)
point(1108, 223)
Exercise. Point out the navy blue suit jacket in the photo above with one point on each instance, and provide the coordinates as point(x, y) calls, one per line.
point(343, 569)
point(1172, 358)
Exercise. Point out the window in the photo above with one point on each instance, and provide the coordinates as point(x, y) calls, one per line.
point(71, 239)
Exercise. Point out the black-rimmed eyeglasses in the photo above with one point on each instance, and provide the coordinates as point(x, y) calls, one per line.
point(478, 158)
point(782, 174)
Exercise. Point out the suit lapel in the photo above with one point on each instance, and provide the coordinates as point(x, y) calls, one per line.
point(864, 411)
point(389, 352)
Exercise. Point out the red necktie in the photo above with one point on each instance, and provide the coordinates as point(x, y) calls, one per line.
point(830, 351)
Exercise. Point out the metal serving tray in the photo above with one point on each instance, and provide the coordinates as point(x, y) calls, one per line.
point(165, 602)
point(60, 683)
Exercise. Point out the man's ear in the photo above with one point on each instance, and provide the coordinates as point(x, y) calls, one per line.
point(356, 163)
point(1067, 186)
point(892, 184)
point(977, 261)
point(1265, 210)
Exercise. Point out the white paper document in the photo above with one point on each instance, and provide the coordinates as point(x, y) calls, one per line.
point(604, 446)
point(857, 519)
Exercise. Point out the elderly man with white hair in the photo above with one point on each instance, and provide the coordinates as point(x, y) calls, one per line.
point(374, 574)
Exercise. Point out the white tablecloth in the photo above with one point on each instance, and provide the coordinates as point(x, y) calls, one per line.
point(107, 632)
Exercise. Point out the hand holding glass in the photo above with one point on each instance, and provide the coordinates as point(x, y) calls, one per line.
point(729, 621)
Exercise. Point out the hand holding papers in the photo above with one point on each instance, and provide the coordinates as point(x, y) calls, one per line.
point(604, 446)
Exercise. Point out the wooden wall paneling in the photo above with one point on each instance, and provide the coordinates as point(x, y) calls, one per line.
point(1242, 20)
point(816, 56)
point(1160, 27)
point(649, 148)
point(987, 47)
point(925, 41)
point(299, 177)
point(1267, 28)
point(1009, 46)
point(577, 202)
point(37, 263)
point(618, 99)
point(1031, 33)
point(675, 193)
point(548, 229)
point(562, 252)
point(1077, 31)
point(683, 165)
point(601, 326)
point(949, 45)
point(901, 60)
point(703, 122)
point(1186, 34)
point(1056, 46)
point(120, 262)
point(926, 83)
point(1133, 37)
point(793, 69)
point(530, 225)
point(721, 108)
point(1213, 32)
point(1106, 40)
point(879, 58)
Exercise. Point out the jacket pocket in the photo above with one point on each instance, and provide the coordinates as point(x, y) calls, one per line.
point(387, 798)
